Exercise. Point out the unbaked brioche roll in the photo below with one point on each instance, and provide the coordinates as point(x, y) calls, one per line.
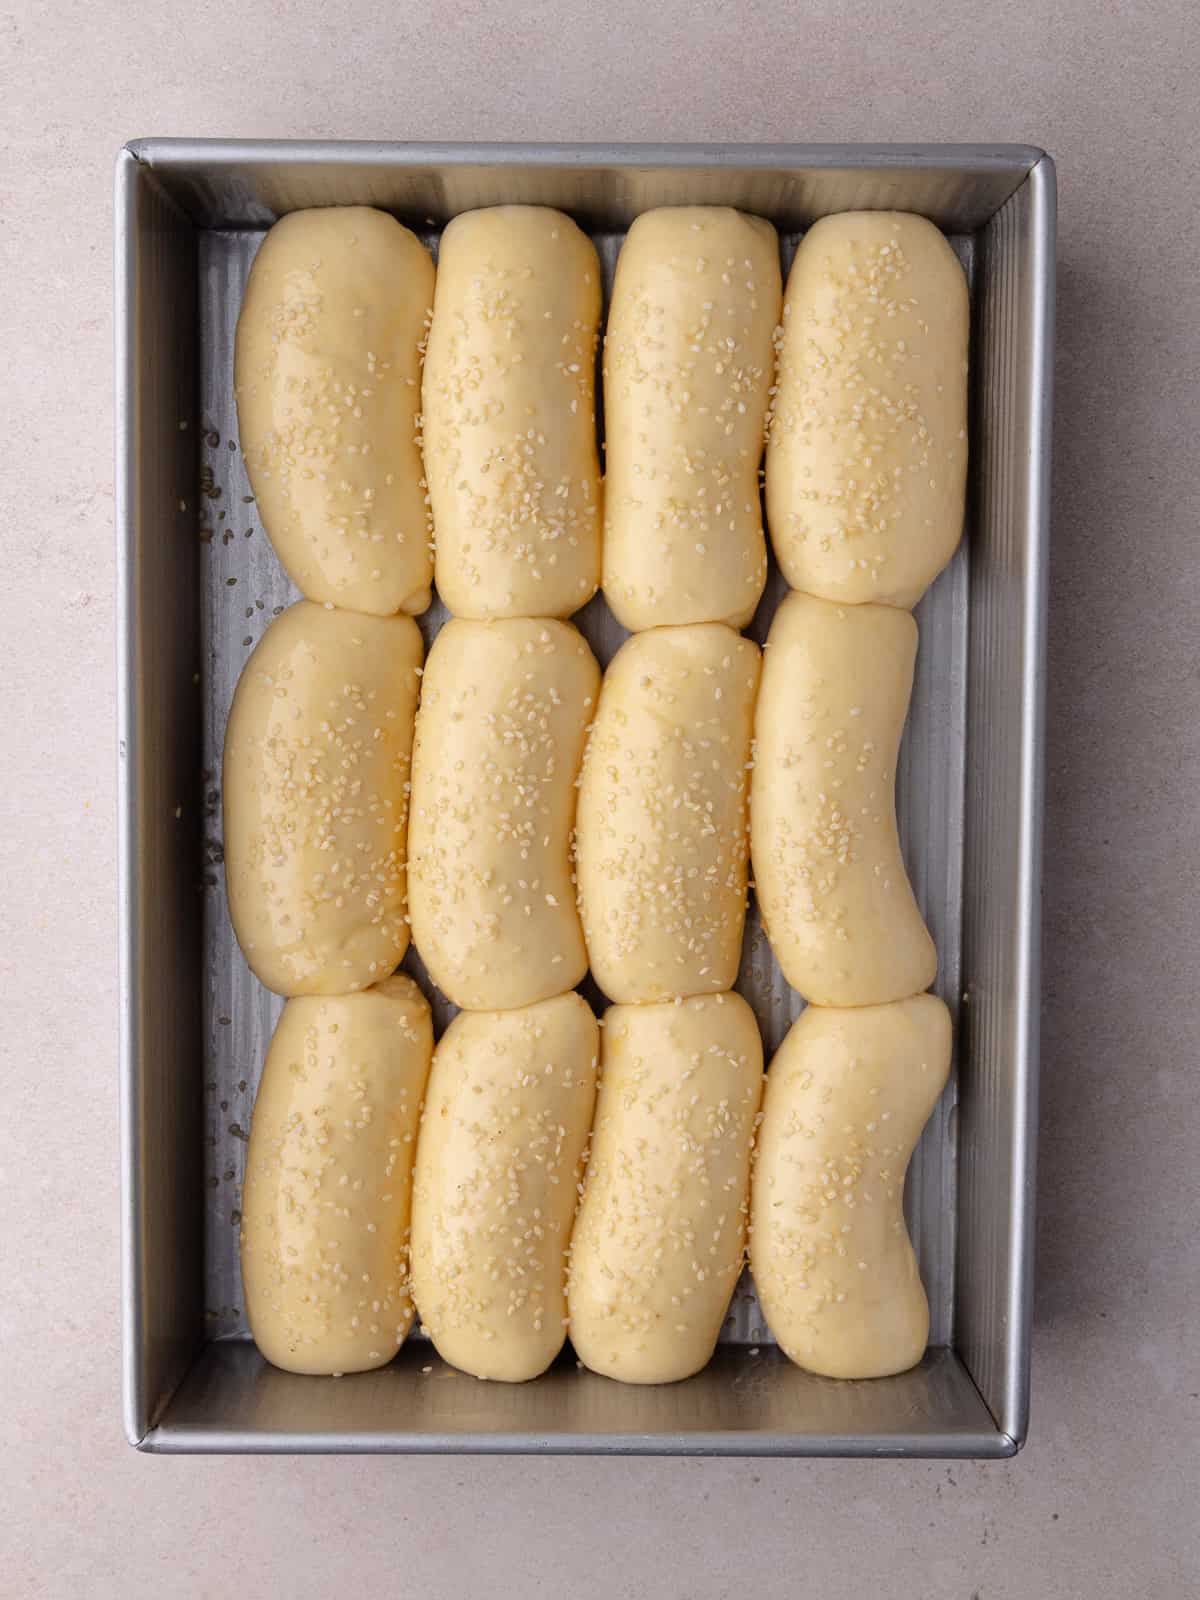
point(510, 414)
point(847, 1096)
point(325, 1203)
point(867, 455)
point(504, 713)
point(659, 1239)
point(317, 756)
point(832, 888)
point(507, 1115)
point(661, 834)
point(327, 376)
point(688, 366)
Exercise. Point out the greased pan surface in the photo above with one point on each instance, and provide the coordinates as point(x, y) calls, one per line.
point(243, 585)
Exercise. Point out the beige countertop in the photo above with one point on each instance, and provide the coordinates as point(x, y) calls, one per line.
point(1102, 1503)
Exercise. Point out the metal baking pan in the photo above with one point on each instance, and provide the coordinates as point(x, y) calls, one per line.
point(198, 584)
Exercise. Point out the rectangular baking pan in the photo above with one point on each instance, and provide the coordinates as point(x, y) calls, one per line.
point(198, 584)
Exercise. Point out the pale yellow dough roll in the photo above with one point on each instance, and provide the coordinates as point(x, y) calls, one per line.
point(505, 708)
point(659, 1240)
point(327, 374)
point(317, 754)
point(867, 455)
point(661, 834)
point(831, 883)
point(847, 1096)
point(688, 368)
point(507, 1116)
point(325, 1203)
point(510, 414)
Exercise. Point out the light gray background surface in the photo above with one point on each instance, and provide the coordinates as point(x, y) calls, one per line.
point(1103, 1502)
